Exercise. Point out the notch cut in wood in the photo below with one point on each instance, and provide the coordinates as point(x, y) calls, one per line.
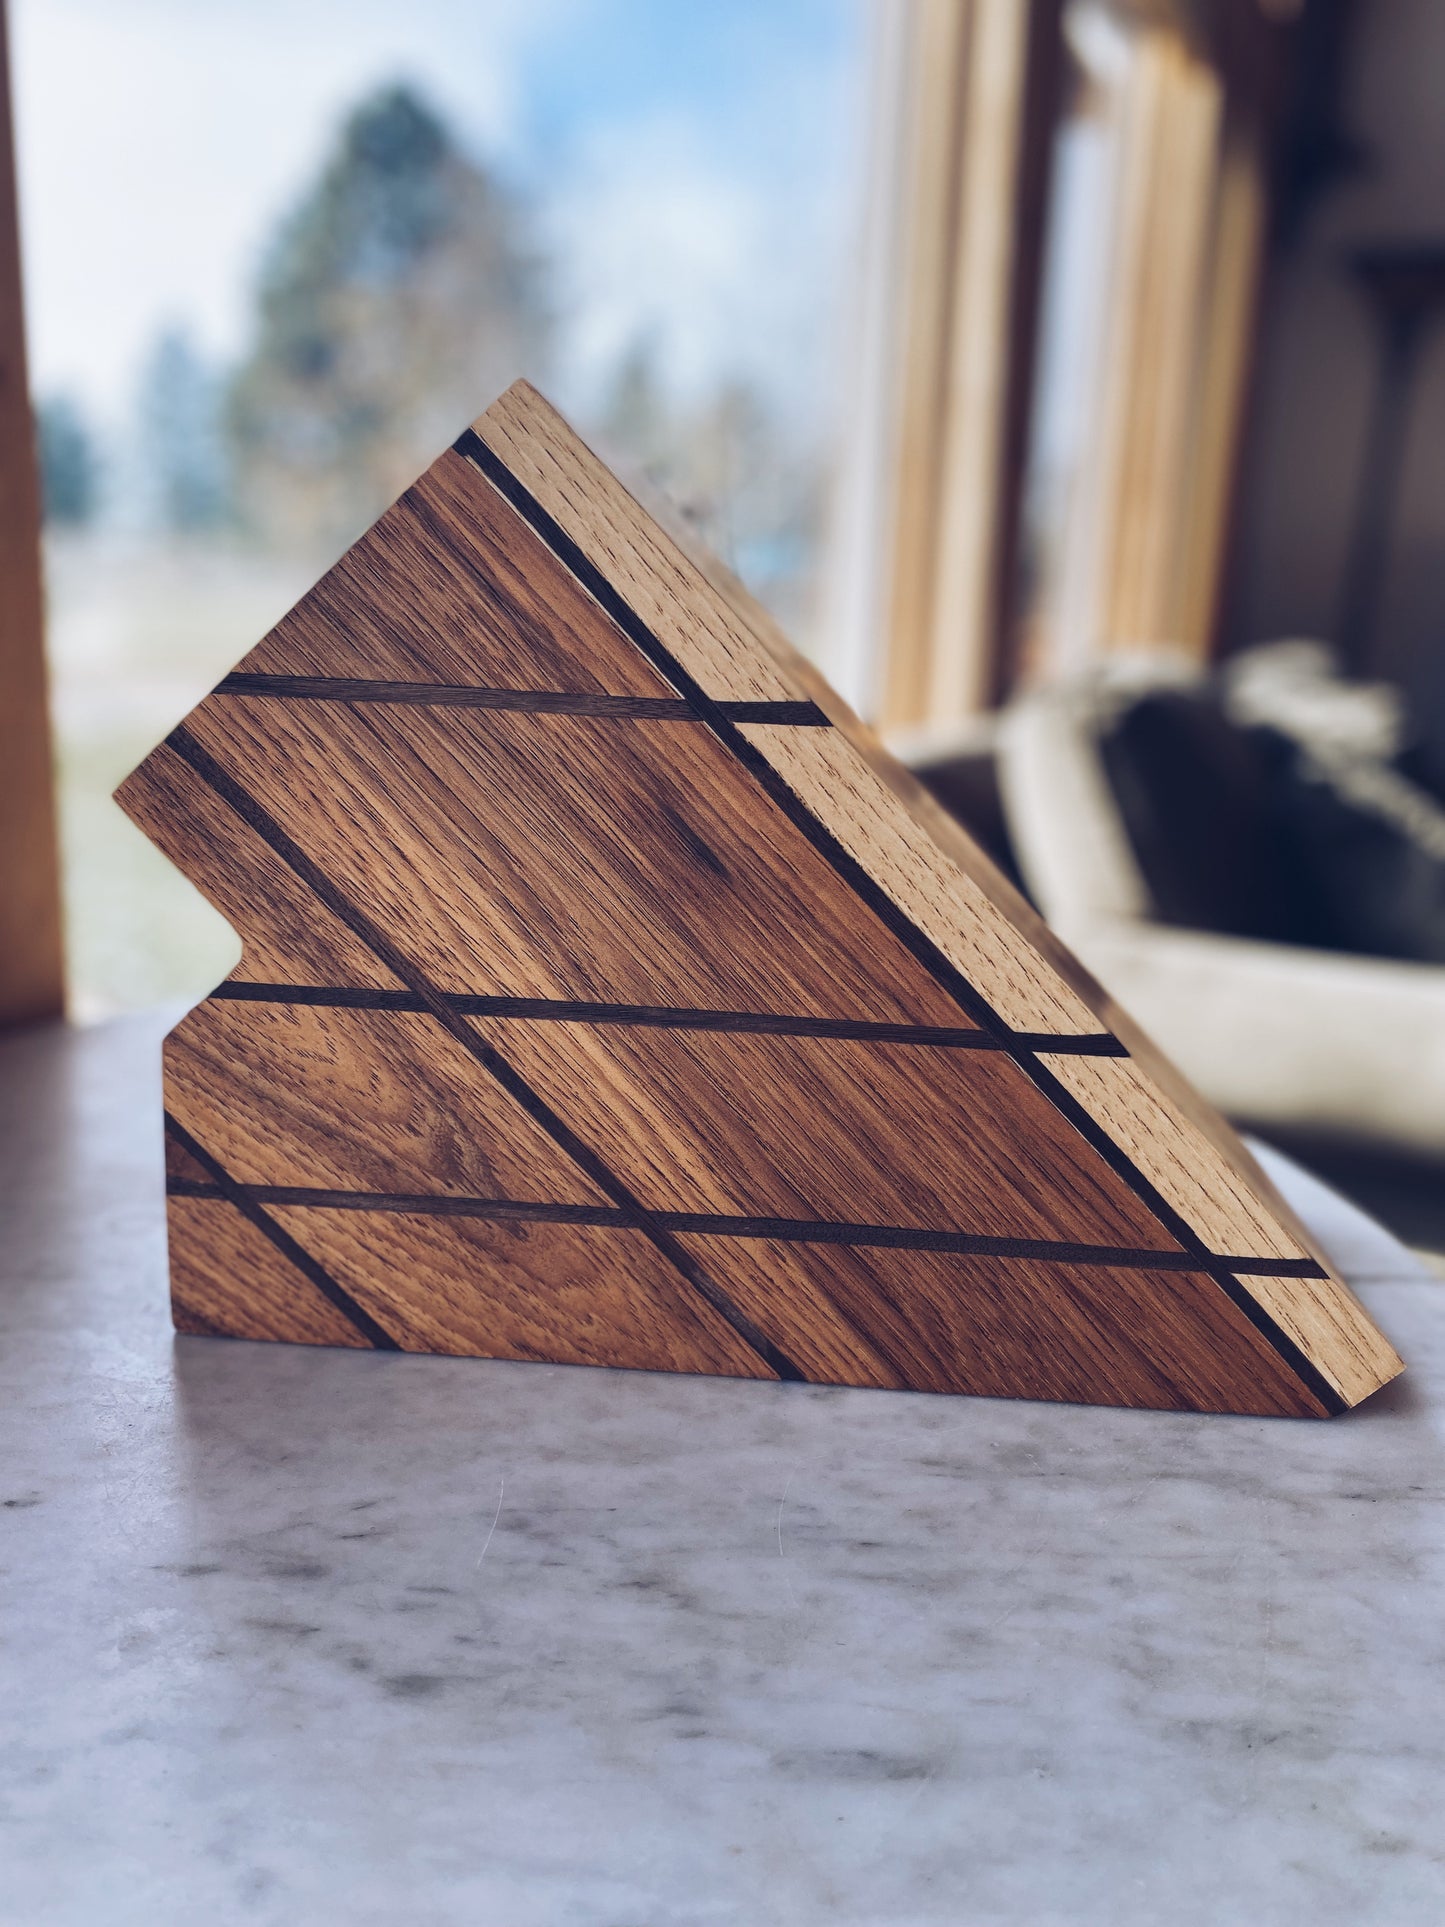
point(609, 997)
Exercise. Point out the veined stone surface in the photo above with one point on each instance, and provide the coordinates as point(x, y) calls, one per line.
point(299, 1636)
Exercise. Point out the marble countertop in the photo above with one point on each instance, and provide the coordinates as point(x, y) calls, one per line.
point(298, 1636)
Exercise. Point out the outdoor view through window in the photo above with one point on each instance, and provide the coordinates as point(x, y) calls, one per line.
point(279, 251)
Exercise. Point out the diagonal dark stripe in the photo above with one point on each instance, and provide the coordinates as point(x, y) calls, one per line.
point(240, 800)
point(827, 1231)
point(664, 1017)
point(470, 445)
point(244, 1199)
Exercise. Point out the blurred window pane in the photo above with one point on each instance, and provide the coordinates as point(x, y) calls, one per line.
point(277, 254)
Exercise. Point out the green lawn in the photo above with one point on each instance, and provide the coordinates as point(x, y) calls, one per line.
point(136, 635)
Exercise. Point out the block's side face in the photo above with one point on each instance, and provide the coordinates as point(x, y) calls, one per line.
point(713, 641)
point(912, 1137)
point(933, 876)
point(939, 1322)
point(1233, 1215)
point(1174, 1156)
point(831, 780)
point(566, 857)
point(1331, 1328)
point(1164, 1139)
point(250, 1261)
point(184, 1171)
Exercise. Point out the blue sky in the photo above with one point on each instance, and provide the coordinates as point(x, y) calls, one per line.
point(695, 164)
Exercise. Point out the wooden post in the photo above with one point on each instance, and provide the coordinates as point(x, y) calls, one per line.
point(927, 527)
point(32, 982)
point(985, 78)
point(1118, 583)
point(1143, 538)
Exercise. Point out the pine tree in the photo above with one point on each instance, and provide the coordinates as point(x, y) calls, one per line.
point(398, 297)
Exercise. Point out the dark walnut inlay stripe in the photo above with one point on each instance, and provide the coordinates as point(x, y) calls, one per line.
point(537, 702)
point(223, 1186)
point(712, 1224)
point(667, 1017)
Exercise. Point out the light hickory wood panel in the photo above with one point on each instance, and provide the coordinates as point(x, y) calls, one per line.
point(827, 773)
point(806, 1127)
point(574, 1295)
point(569, 857)
point(1332, 1329)
point(905, 800)
point(1160, 1340)
point(1229, 1151)
point(357, 1100)
point(451, 586)
point(1231, 1215)
point(229, 1281)
point(287, 936)
point(646, 567)
point(1175, 1156)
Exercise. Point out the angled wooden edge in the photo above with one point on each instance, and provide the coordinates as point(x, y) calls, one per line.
point(934, 873)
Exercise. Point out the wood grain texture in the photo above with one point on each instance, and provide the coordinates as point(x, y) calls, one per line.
point(286, 935)
point(555, 1034)
point(689, 614)
point(228, 1279)
point(1328, 1323)
point(356, 1100)
point(184, 1170)
point(572, 1295)
point(803, 1127)
point(446, 588)
point(1174, 1155)
point(971, 930)
point(572, 857)
point(1231, 1212)
point(1159, 1340)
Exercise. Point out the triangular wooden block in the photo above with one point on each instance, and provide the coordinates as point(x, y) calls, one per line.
point(610, 997)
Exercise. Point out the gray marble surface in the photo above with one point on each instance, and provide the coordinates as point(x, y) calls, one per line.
point(301, 1636)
